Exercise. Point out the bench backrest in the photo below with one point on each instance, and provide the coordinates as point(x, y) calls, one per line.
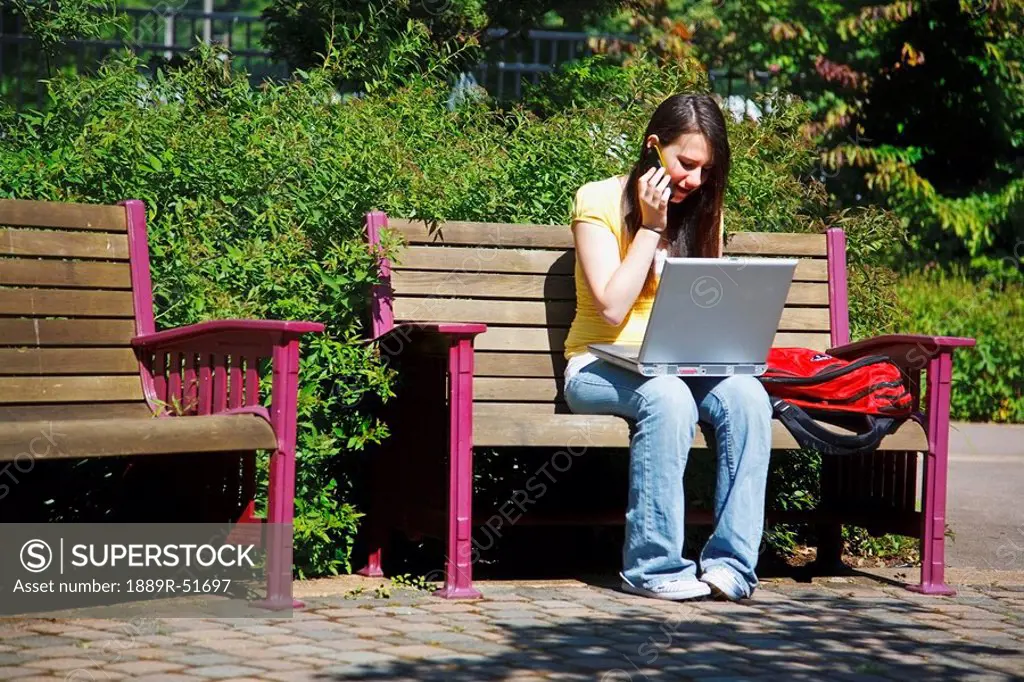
point(518, 279)
point(68, 309)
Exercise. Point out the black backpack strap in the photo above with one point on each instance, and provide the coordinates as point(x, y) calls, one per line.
point(810, 434)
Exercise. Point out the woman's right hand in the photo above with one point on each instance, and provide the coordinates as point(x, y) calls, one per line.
point(654, 191)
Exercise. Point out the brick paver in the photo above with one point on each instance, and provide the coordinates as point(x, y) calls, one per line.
point(225, 671)
point(844, 630)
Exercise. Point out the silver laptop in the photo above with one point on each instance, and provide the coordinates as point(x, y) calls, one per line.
point(711, 317)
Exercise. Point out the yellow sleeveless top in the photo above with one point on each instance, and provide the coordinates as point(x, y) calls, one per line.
point(600, 203)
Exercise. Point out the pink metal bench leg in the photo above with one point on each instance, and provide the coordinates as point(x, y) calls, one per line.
point(281, 496)
point(376, 535)
point(378, 524)
point(372, 568)
point(936, 467)
point(458, 582)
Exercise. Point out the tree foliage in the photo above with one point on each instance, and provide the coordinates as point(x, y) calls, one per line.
point(917, 104)
point(378, 43)
point(53, 22)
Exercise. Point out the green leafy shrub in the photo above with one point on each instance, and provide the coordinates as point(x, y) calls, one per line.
point(887, 549)
point(988, 380)
point(250, 214)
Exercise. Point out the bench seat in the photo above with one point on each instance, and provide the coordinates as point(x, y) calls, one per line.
point(80, 438)
point(537, 425)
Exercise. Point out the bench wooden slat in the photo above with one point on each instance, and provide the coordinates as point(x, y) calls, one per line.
point(458, 261)
point(571, 431)
point(63, 244)
point(115, 437)
point(483, 285)
point(66, 303)
point(60, 389)
point(515, 389)
point(73, 274)
point(808, 293)
point(531, 339)
point(491, 234)
point(537, 287)
point(46, 361)
point(54, 411)
point(776, 244)
point(804, 319)
point(497, 424)
point(35, 332)
point(518, 364)
point(456, 233)
point(69, 216)
point(468, 260)
point(522, 339)
point(551, 313)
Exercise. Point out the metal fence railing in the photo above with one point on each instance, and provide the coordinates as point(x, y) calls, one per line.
point(147, 32)
point(511, 61)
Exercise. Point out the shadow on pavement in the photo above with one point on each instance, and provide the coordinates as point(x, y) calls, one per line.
point(810, 636)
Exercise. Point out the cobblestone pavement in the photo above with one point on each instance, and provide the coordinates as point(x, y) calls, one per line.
point(856, 630)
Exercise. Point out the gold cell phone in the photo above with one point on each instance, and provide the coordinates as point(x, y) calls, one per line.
point(661, 157)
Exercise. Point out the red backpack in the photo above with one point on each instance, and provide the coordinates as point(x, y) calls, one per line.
point(866, 395)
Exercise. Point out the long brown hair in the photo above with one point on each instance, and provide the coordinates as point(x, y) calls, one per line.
point(693, 224)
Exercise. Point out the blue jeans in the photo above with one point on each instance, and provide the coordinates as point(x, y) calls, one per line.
point(665, 410)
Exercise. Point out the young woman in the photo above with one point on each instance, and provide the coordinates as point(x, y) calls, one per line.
point(624, 228)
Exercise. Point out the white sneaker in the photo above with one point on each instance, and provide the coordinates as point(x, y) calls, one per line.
point(673, 590)
point(723, 583)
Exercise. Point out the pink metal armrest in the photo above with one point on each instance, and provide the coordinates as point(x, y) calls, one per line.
point(913, 353)
point(417, 331)
point(457, 340)
point(912, 348)
point(192, 365)
point(213, 367)
point(439, 327)
point(265, 331)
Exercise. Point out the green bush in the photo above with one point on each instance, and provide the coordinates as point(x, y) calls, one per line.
point(256, 199)
point(246, 219)
point(988, 380)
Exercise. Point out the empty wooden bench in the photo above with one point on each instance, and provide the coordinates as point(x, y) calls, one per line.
point(84, 373)
point(477, 315)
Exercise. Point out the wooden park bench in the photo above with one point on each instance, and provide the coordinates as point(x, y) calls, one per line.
point(477, 315)
point(84, 373)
